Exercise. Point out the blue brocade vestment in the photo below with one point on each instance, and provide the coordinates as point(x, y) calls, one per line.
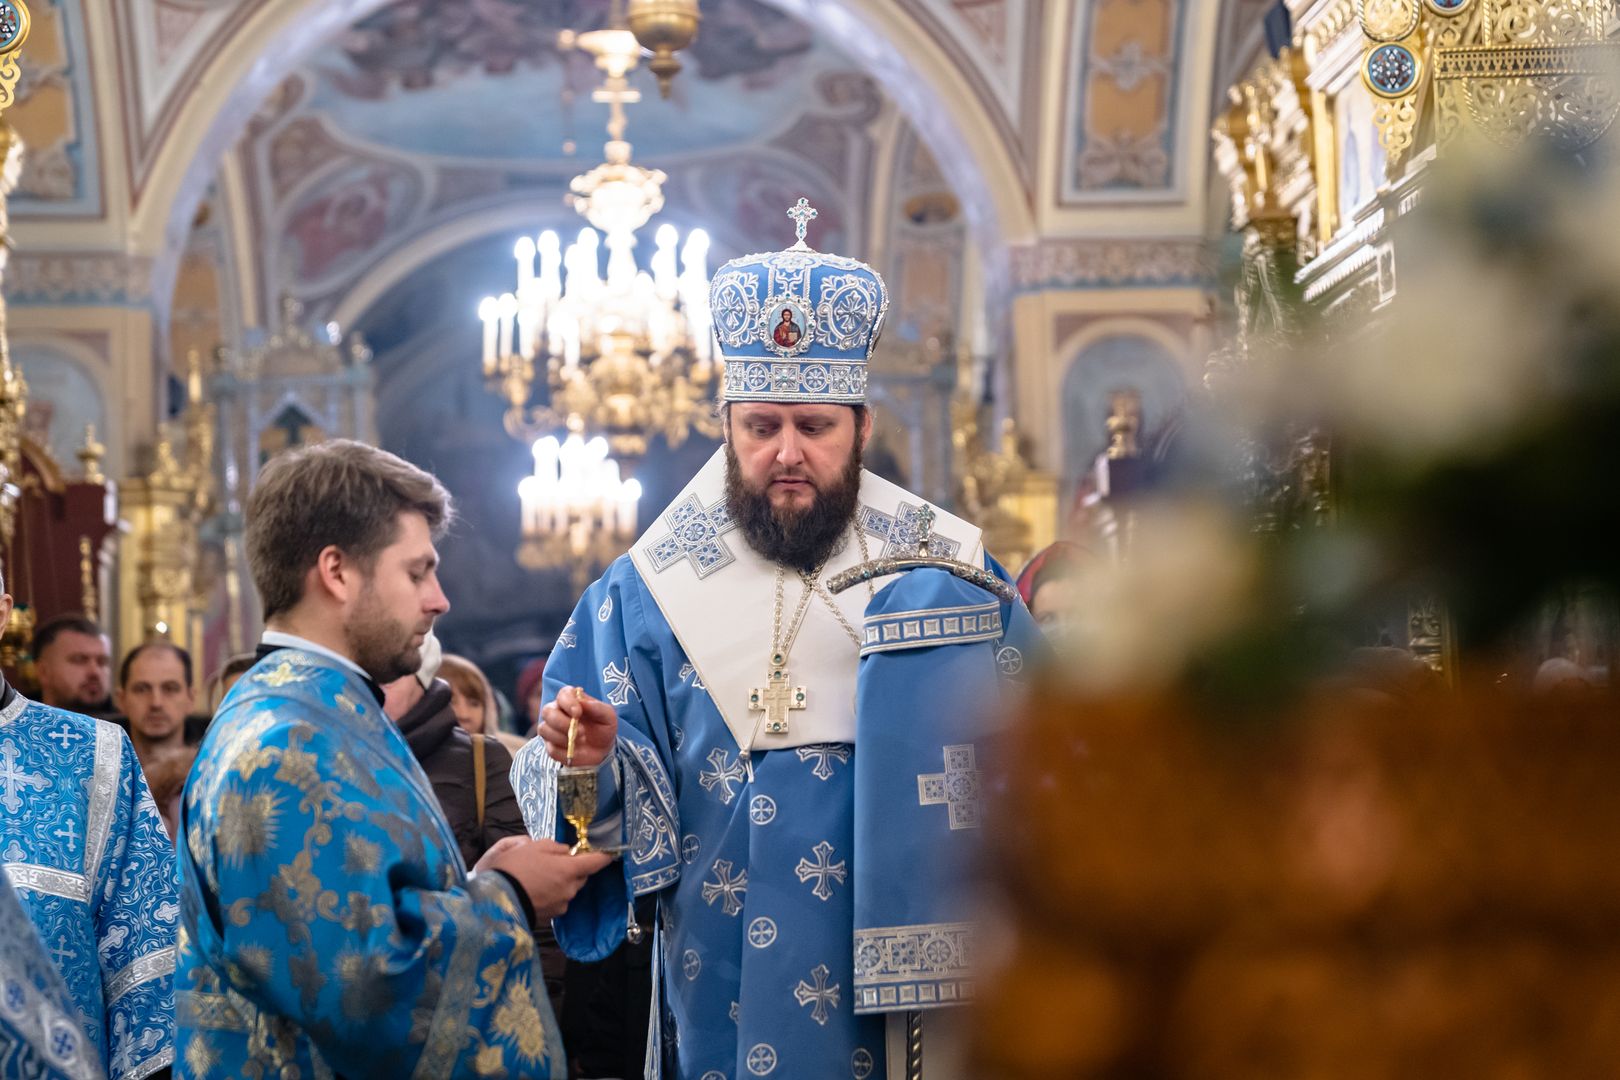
point(763, 969)
point(92, 864)
point(330, 926)
point(41, 1036)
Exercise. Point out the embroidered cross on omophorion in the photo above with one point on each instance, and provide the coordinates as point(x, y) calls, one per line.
point(695, 533)
point(957, 787)
point(777, 697)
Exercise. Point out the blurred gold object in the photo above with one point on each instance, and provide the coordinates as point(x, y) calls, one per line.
point(90, 455)
point(1420, 886)
point(576, 788)
point(664, 27)
point(14, 24)
point(1515, 70)
point(15, 639)
point(87, 580)
point(1015, 503)
point(1124, 425)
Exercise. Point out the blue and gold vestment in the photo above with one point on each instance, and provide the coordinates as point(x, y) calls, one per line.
point(330, 927)
point(804, 880)
point(92, 864)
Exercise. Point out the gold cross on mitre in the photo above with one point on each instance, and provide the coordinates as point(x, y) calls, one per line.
point(802, 214)
point(777, 697)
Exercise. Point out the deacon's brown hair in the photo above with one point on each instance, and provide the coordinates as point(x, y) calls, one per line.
point(340, 493)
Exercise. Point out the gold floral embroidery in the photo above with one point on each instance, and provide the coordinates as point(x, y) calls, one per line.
point(201, 1056)
point(490, 1062)
point(246, 824)
point(360, 856)
point(366, 992)
point(517, 1020)
point(256, 961)
point(299, 767)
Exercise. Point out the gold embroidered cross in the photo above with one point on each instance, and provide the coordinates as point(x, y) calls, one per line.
point(777, 697)
point(279, 676)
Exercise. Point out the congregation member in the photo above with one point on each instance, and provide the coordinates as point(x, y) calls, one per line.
point(469, 772)
point(331, 926)
point(155, 695)
point(793, 770)
point(1049, 587)
point(226, 677)
point(73, 664)
point(86, 851)
point(473, 700)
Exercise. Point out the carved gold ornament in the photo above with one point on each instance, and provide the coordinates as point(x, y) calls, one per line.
point(1516, 70)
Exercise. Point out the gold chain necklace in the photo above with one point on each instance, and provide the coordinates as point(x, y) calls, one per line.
point(778, 696)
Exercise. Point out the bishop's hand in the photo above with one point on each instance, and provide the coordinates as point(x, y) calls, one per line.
point(594, 737)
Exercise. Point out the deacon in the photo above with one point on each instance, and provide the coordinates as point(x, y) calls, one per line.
point(92, 865)
point(330, 925)
point(794, 770)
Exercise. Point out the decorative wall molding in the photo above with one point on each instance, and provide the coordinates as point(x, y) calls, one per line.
point(1101, 264)
point(100, 279)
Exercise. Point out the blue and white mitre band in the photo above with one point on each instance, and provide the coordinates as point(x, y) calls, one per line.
point(797, 326)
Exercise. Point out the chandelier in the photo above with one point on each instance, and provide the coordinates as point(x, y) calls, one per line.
point(629, 353)
point(577, 510)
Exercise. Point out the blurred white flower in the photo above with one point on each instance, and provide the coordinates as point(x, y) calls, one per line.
point(1465, 358)
point(1188, 580)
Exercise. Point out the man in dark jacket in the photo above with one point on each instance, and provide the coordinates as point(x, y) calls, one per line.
point(479, 813)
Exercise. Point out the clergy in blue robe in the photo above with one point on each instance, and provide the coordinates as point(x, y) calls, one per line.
point(41, 1037)
point(329, 922)
point(86, 850)
point(792, 915)
point(330, 925)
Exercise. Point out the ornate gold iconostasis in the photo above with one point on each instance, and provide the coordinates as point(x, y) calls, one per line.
point(1032, 178)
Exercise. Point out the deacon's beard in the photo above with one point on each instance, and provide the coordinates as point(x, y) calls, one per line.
point(801, 539)
point(380, 644)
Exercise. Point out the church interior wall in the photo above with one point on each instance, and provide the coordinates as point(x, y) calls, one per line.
point(942, 154)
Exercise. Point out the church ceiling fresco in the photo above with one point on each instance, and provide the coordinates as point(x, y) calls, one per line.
point(998, 46)
point(487, 81)
point(1123, 108)
point(163, 47)
point(54, 114)
point(388, 134)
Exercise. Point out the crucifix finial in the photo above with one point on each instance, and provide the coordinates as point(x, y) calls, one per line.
point(925, 524)
point(802, 214)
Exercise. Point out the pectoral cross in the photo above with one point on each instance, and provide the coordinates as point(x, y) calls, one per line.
point(777, 697)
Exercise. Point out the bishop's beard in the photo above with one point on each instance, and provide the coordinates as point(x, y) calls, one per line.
point(798, 539)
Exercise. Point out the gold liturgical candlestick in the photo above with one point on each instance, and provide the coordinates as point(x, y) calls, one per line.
point(576, 787)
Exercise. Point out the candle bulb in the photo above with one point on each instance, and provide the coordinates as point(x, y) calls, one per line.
point(506, 309)
point(524, 253)
point(487, 311)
